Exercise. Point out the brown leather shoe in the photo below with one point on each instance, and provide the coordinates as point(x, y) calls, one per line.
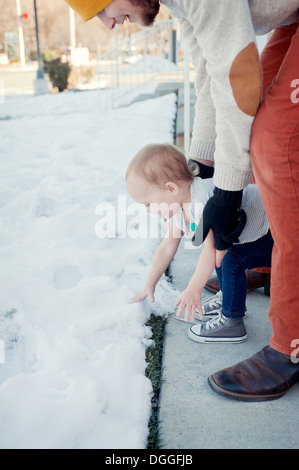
point(267, 375)
point(254, 281)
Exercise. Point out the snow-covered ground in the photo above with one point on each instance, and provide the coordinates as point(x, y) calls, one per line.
point(72, 347)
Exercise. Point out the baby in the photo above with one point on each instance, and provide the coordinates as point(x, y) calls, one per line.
point(159, 177)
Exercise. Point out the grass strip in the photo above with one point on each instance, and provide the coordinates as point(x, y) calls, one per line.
point(154, 355)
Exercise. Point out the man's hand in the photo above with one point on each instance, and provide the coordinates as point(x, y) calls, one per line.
point(222, 215)
point(204, 168)
point(219, 257)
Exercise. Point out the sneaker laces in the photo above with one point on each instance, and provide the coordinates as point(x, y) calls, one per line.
point(216, 301)
point(220, 320)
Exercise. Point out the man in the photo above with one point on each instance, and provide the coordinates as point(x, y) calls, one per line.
point(221, 35)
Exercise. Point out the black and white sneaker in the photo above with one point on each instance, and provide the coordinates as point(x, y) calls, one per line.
point(219, 330)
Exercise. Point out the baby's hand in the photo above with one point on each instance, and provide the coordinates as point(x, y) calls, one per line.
point(190, 299)
point(148, 291)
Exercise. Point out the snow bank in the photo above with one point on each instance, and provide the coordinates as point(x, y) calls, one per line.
point(74, 370)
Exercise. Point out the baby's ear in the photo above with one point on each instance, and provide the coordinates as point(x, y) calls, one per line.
point(172, 187)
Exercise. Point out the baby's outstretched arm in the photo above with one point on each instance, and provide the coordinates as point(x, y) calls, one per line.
point(190, 298)
point(163, 256)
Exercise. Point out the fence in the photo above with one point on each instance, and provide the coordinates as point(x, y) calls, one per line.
point(150, 58)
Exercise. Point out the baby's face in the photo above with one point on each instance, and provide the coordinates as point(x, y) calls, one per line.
point(156, 200)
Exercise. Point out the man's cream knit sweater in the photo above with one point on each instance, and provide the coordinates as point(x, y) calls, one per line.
point(221, 35)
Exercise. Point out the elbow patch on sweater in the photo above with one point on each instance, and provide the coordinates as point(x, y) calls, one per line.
point(246, 79)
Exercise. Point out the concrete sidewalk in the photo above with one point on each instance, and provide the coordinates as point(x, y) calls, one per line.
point(192, 415)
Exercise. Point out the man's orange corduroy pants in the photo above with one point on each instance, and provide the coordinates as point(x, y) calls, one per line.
point(275, 160)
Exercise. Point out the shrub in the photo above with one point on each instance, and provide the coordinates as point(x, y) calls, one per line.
point(48, 55)
point(58, 73)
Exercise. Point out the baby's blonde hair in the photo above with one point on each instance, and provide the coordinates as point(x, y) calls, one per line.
point(160, 163)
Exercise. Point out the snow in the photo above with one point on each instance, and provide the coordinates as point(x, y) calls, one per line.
point(148, 64)
point(72, 373)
